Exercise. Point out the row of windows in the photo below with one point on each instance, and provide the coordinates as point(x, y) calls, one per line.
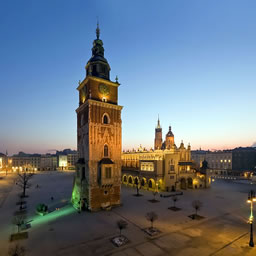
point(221, 160)
point(147, 167)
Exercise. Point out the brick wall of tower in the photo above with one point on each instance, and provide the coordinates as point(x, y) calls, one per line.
point(158, 139)
point(101, 134)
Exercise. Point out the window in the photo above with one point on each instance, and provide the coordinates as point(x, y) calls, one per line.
point(108, 172)
point(105, 119)
point(105, 150)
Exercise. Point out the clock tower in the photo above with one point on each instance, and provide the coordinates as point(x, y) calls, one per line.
point(97, 182)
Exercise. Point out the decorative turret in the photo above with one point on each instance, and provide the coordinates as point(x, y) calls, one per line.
point(158, 136)
point(182, 145)
point(97, 65)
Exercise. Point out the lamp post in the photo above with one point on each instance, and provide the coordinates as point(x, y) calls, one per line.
point(251, 199)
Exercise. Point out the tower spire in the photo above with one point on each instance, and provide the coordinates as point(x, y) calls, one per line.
point(158, 123)
point(98, 30)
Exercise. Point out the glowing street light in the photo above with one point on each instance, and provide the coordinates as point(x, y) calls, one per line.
point(251, 199)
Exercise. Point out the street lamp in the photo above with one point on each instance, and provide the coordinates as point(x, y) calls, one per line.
point(251, 199)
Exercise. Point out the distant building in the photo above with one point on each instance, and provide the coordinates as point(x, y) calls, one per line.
point(244, 159)
point(62, 162)
point(198, 156)
point(219, 162)
point(3, 161)
point(165, 168)
point(26, 162)
point(72, 159)
point(48, 162)
point(67, 159)
point(235, 161)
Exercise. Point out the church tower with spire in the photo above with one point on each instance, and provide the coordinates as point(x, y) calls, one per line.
point(169, 139)
point(158, 136)
point(97, 182)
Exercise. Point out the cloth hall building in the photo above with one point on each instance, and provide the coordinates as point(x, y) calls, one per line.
point(164, 168)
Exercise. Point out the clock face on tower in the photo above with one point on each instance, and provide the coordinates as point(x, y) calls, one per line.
point(104, 89)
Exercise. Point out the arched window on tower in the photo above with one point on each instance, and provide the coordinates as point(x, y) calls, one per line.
point(105, 150)
point(105, 119)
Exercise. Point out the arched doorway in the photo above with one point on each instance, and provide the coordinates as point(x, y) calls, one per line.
point(143, 182)
point(151, 184)
point(136, 181)
point(130, 180)
point(183, 184)
point(190, 183)
point(125, 179)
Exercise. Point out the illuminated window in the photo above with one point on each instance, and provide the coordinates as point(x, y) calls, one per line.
point(221, 160)
point(229, 160)
point(105, 150)
point(108, 172)
point(225, 160)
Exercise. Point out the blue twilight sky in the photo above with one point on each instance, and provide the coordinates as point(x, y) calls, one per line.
point(193, 62)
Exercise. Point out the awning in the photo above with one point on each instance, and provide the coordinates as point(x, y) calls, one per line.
point(106, 161)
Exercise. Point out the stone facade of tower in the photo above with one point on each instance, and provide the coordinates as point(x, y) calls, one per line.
point(97, 182)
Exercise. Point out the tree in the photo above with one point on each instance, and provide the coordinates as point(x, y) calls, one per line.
point(17, 250)
point(19, 220)
point(121, 224)
point(174, 199)
point(197, 205)
point(23, 181)
point(151, 216)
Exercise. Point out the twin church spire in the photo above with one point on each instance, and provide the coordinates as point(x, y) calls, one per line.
point(169, 139)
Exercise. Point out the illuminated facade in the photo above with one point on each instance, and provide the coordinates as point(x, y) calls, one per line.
point(63, 162)
point(97, 182)
point(165, 168)
point(3, 161)
point(26, 162)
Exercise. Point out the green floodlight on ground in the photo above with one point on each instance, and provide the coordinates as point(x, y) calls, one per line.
point(52, 216)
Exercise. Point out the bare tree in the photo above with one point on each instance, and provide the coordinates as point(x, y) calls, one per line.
point(175, 199)
point(121, 224)
point(151, 216)
point(23, 181)
point(197, 205)
point(19, 220)
point(17, 250)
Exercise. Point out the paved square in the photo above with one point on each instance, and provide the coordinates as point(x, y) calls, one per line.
point(224, 231)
